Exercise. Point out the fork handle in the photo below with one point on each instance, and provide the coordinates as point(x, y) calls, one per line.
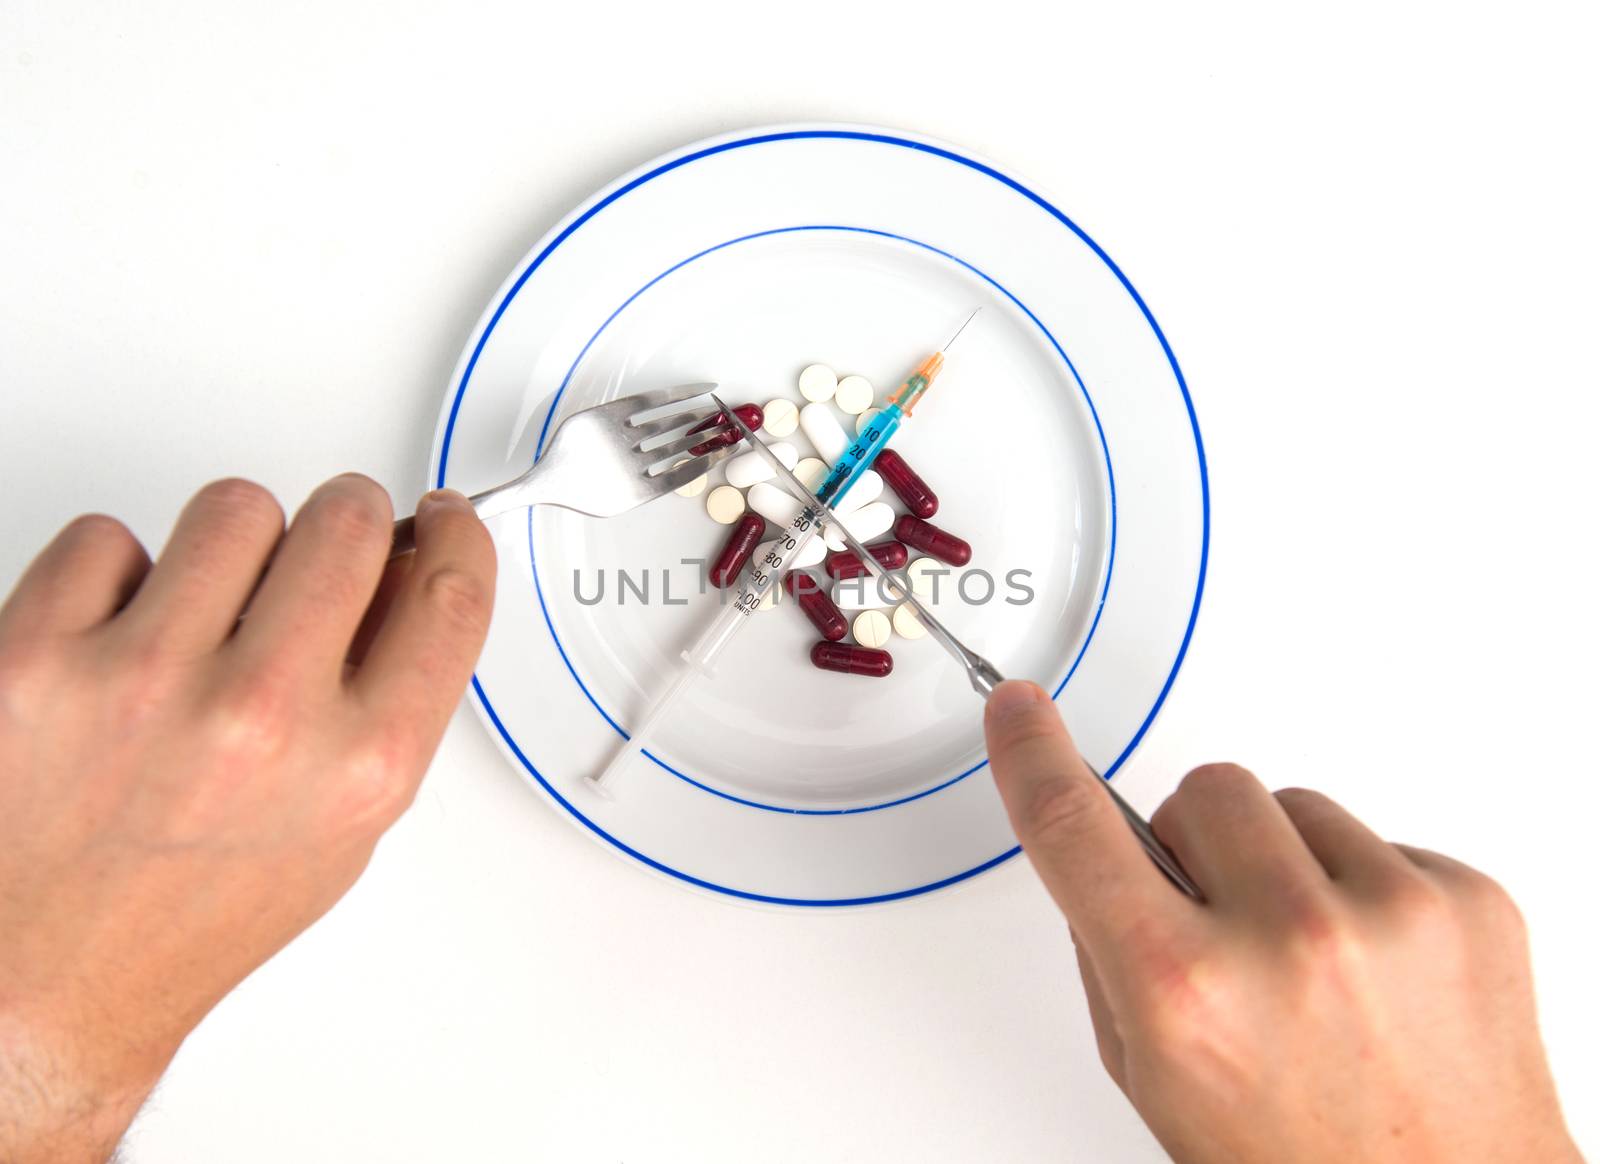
point(405, 538)
point(517, 494)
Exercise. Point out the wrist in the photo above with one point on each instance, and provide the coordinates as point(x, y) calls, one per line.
point(63, 1100)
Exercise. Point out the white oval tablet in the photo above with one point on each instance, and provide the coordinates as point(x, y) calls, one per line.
point(822, 429)
point(906, 623)
point(772, 503)
point(868, 487)
point(746, 469)
point(725, 504)
point(692, 488)
point(866, 523)
point(768, 600)
point(810, 554)
point(854, 394)
point(817, 383)
point(811, 472)
point(780, 417)
point(865, 419)
point(871, 628)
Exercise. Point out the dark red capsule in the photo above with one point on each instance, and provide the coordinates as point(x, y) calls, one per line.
point(907, 485)
point(930, 539)
point(829, 620)
point(749, 413)
point(891, 555)
point(736, 551)
point(852, 660)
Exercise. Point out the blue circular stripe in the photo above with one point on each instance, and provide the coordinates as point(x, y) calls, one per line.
point(1010, 183)
point(555, 403)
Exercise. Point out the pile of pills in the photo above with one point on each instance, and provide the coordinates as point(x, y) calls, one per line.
point(747, 500)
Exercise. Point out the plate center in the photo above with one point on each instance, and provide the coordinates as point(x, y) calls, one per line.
point(625, 595)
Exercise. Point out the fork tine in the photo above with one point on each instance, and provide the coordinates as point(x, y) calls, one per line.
point(654, 428)
point(648, 401)
point(680, 475)
point(687, 441)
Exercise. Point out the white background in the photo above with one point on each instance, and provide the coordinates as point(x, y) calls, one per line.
point(252, 238)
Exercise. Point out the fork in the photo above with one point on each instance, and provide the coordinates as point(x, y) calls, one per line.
point(597, 463)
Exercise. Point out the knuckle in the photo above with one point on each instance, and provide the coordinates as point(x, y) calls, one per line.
point(1488, 899)
point(144, 678)
point(27, 679)
point(1166, 816)
point(1302, 799)
point(1317, 924)
point(1062, 811)
point(252, 723)
point(95, 529)
point(1178, 1002)
point(377, 785)
point(463, 599)
point(353, 509)
point(1323, 941)
point(1041, 723)
point(1219, 780)
point(1415, 901)
point(240, 500)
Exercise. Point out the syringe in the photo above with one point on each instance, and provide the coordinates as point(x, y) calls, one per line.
point(760, 577)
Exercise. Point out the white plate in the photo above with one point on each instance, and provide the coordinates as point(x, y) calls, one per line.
point(1060, 439)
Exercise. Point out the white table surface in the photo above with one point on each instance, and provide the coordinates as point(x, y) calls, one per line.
point(252, 238)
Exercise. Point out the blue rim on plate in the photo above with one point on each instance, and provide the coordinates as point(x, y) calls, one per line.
point(1011, 183)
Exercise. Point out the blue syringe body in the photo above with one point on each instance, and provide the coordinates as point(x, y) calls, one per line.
point(859, 455)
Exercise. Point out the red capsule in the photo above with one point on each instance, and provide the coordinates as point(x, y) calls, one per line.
point(737, 549)
point(830, 622)
point(930, 539)
point(844, 564)
point(749, 413)
point(908, 487)
point(852, 660)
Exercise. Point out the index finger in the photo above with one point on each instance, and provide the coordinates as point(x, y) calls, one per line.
point(1071, 830)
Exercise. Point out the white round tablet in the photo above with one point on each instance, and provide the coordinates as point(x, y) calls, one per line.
point(871, 628)
point(854, 394)
point(865, 419)
point(782, 417)
point(693, 488)
point(930, 578)
point(817, 383)
point(725, 504)
point(811, 472)
point(906, 623)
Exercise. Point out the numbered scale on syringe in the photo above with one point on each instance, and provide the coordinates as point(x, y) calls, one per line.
point(769, 571)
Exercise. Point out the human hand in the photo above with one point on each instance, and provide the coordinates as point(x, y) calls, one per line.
point(182, 792)
point(1336, 998)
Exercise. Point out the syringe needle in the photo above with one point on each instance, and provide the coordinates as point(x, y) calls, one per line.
point(960, 329)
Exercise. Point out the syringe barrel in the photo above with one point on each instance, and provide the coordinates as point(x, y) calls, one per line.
point(720, 633)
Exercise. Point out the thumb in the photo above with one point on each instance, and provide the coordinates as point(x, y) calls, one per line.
point(1071, 830)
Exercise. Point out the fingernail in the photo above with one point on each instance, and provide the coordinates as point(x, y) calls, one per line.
point(444, 497)
point(1013, 696)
